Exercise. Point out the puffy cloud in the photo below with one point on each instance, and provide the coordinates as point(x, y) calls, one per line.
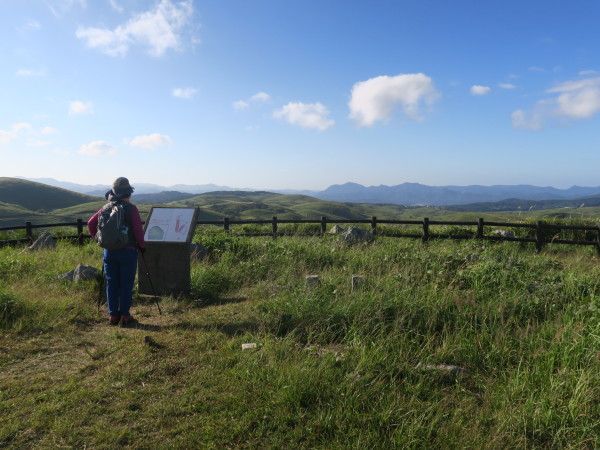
point(7, 136)
point(159, 29)
point(97, 148)
point(185, 93)
point(573, 100)
point(150, 142)
point(48, 130)
point(507, 86)
point(313, 115)
point(376, 98)
point(260, 97)
point(526, 120)
point(578, 99)
point(241, 104)
point(23, 126)
point(78, 107)
point(480, 90)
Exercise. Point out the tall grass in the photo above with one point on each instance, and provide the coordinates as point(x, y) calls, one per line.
point(335, 366)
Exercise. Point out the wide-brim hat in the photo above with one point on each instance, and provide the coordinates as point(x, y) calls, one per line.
point(120, 188)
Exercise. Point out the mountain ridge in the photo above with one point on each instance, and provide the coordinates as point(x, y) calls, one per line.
point(408, 193)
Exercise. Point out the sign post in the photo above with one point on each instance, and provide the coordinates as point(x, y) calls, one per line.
point(165, 267)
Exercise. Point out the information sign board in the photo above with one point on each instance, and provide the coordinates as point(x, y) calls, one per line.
point(170, 225)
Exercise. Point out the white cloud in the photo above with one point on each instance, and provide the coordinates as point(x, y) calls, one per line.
point(185, 93)
point(313, 115)
point(480, 90)
point(536, 69)
point(241, 104)
point(376, 98)
point(116, 6)
point(526, 120)
point(97, 148)
point(159, 29)
point(260, 97)
point(585, 73)
point(48, 130)
point(78, 107)
point(150, 142)
point(30, 73)
point(507, 86)
point(59, 7)
point(578, 99)
point(6, 137)
point(574, 100)
point(18, 127)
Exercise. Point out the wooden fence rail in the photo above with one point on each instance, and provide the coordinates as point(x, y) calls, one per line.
point(540, 229)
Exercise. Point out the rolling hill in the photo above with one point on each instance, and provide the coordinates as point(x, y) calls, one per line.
point(38, 196)
point(22, 200)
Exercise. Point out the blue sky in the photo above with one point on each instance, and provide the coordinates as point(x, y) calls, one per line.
point(282, 94)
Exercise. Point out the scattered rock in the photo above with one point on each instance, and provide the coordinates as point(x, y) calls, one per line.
point(248, 346)
point(336, 229)
point(82, 273)
point(352, 235)
point(441, 368)
point(504, 233)
point(45, 241)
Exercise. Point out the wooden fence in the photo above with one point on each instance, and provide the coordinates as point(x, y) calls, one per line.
point(541, 233)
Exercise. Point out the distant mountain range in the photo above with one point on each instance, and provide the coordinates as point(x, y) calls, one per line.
point(418, 194)
point(409, 194)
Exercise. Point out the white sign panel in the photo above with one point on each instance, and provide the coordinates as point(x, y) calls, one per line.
point(169, 224)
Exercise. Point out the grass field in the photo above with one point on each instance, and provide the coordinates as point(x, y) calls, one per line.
point(444, 345)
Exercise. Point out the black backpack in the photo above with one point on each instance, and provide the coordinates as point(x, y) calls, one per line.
point(113, 232)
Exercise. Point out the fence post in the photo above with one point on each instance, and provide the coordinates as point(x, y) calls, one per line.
point(373, 224)
point(274, 226)
point(80, 231)
point(323, 224)
point(539, 237)
point(28, 231)
point(480, 228)
point(425, 236)
point(226, 223)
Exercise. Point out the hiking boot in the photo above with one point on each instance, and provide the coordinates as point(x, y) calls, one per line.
point(114, 320)
point(127, 320)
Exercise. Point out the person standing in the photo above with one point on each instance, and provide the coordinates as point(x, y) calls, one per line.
point(120, 265)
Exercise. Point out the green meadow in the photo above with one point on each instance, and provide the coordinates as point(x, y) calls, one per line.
point(441, 345)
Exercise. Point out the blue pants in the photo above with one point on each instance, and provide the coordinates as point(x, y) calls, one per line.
point(120, 267)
